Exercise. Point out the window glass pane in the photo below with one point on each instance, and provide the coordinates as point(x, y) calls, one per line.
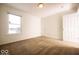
point(14, 19)
point(13, 26)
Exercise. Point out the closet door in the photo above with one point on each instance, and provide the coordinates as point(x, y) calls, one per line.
point(71, 27)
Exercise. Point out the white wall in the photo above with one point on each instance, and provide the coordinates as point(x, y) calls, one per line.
point(31, 25)
point(52, 26)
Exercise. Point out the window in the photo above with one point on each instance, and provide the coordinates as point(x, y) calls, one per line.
point(14, 24)
point(71, 27)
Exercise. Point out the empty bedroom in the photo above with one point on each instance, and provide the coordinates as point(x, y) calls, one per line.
point(39, 29)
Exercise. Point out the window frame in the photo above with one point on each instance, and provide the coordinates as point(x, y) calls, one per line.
point(20, 23)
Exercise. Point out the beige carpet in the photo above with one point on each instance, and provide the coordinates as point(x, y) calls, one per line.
point(41, 46)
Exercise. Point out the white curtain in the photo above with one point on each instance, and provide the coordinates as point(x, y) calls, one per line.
point(71, 27)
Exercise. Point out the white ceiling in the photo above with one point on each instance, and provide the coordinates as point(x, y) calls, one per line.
point(49, 8)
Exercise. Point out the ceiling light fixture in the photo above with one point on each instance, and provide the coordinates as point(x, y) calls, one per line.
point(40, 5)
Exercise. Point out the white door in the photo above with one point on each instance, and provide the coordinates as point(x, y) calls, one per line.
point(71, 27)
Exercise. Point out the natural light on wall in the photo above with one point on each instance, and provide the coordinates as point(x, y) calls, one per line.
point(14, 24)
